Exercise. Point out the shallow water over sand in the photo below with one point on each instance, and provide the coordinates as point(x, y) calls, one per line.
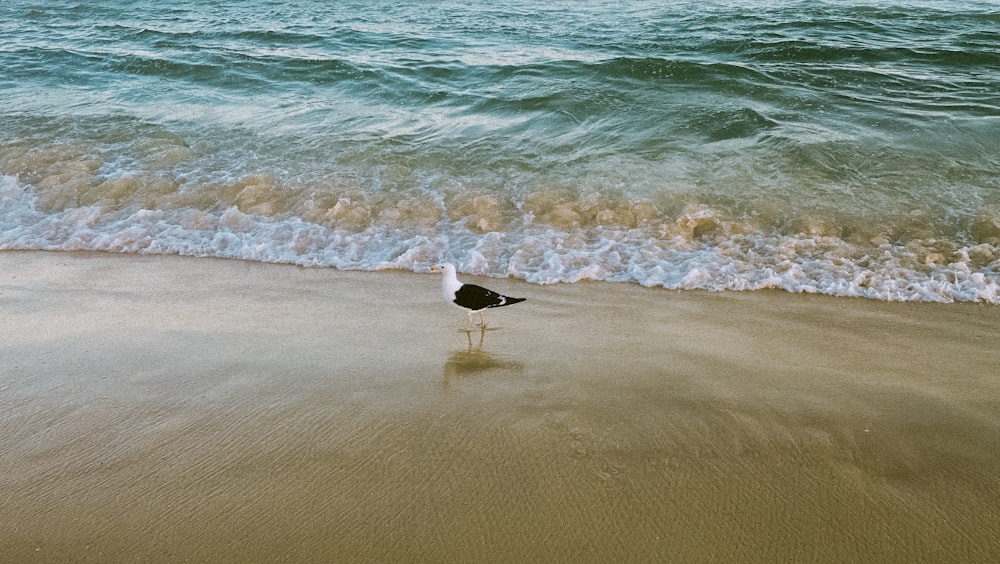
point(162, 409)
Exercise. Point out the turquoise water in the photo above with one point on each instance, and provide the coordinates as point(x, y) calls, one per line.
point(846, 148)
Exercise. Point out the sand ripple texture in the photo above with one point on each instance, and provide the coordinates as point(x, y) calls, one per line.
point(162, 409)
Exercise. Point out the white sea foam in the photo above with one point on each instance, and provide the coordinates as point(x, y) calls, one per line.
point(588, 149)
point(537, 253)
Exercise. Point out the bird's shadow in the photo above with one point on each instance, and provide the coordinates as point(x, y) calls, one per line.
point(474, 360)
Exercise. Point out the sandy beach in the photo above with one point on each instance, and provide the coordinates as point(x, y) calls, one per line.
point(165, 409)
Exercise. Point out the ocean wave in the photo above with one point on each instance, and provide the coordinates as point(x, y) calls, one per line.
point(841, 148)
point(700, 248)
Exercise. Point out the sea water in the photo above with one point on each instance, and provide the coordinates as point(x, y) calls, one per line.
point(849, 148)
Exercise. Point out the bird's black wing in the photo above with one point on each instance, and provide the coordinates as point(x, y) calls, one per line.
point(476, 298)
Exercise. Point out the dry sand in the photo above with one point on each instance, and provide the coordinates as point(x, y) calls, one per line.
point(163, 409)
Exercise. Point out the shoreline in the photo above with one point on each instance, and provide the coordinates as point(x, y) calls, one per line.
point(162, 408)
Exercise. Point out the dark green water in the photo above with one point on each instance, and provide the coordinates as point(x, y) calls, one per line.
point(848, 148)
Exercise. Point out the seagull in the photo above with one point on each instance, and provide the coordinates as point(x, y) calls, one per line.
point(470, 297)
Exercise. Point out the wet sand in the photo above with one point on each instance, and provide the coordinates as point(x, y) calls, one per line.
point(164, 409)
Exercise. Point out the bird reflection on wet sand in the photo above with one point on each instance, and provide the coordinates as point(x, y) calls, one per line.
point(474, 360)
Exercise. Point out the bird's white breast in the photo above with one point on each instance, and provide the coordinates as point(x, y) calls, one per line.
point(450, 285)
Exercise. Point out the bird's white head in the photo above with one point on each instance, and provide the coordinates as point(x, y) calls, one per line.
point(449, 283)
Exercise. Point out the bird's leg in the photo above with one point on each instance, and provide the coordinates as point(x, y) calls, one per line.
point(469, 326)
point(482, 320)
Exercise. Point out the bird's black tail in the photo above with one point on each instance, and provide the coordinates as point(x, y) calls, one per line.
point(511, 301)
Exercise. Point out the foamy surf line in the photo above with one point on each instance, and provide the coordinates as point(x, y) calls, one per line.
point(671, 254)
